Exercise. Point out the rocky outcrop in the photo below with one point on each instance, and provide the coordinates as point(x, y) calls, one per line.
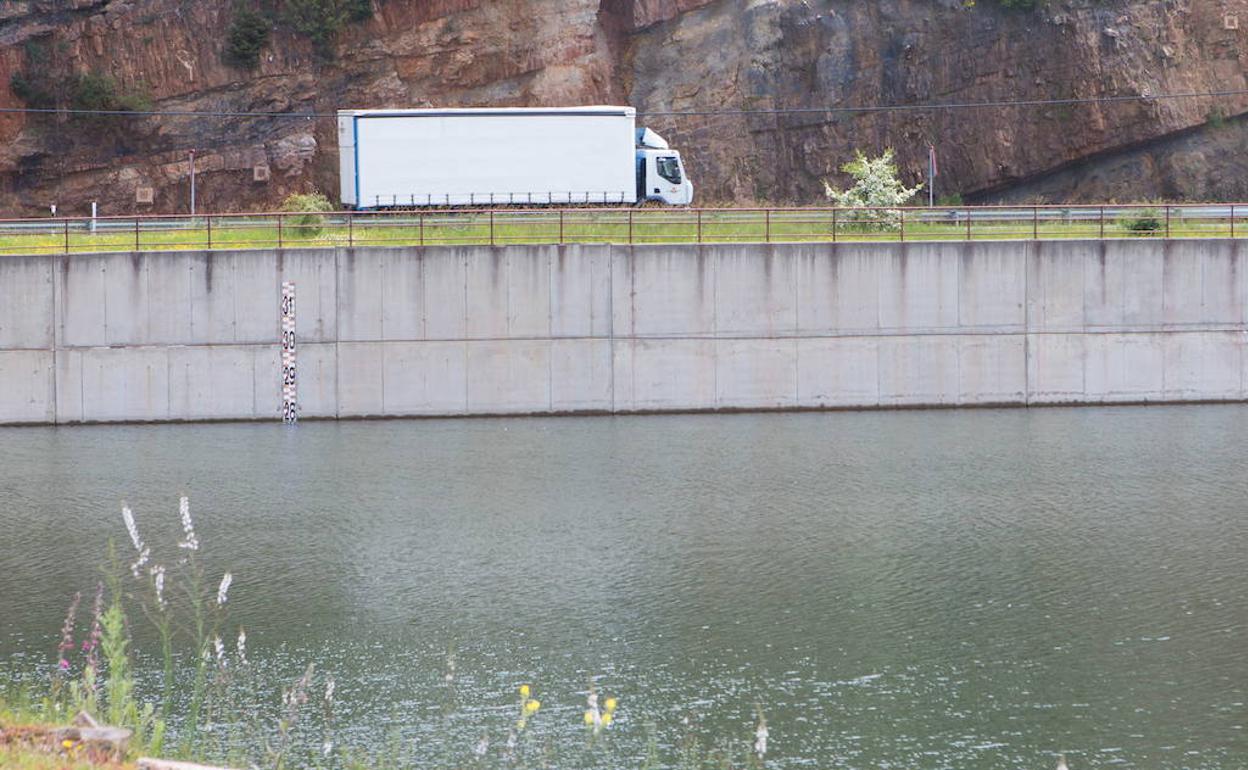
point(1206, 163)
point(635, 15)
point(746, 57)
point(759, 56)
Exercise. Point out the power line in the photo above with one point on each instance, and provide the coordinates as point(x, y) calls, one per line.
point(921, 107)
point(937, 106)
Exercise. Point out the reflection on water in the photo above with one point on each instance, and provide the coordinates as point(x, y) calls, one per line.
point(912, 589)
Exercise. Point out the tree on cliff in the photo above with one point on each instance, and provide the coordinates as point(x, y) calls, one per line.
point(875, 192)
point(249, 33)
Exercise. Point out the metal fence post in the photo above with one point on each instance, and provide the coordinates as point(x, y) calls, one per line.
point(491, 226)
point(903, 224)
point(136, 233)
point(968, 224)
point(1035, 223)
point(279, 231)
point(1167, 221)
point(834, 225)
point(350, 229)
point(630, 227)
point(420, 218)
point(66, 236)
point(210, 231)
point(699, 225)
point(560, 226)
point(767, 225)
point(1102, 223)
point(1232, 220)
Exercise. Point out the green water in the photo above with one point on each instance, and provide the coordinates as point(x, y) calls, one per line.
point(954, 589)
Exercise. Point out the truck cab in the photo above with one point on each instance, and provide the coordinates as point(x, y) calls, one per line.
point(660, 173)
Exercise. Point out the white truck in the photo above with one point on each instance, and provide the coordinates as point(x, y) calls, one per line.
point(494, 157)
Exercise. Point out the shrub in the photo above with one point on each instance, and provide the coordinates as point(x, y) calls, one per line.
point(308, 206)
point(33, 90)
point(92, 91)
point(359, 10)
point(321, 20)
point(1142, 221)
point(85, 91)
point(875, 192)
point(249, 33)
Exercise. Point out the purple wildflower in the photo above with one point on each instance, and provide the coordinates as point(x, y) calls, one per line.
point(67, 632)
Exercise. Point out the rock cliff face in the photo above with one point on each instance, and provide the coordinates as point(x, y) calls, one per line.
point(663, 56)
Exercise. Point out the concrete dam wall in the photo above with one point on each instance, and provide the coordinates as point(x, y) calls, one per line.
point(162, 336)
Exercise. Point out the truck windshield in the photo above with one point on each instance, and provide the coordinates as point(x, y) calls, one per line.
point(669, 168)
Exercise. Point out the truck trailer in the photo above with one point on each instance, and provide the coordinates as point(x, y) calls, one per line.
point(493, 157)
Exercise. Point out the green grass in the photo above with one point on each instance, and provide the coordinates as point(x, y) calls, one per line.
point(643, 226)
point(27, 759)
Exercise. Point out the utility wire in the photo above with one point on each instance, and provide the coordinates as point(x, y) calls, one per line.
point(953, 105)
point(922, 107)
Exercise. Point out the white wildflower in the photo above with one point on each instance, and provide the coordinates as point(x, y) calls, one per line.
point(593, 717)
point(219, 646)
point(224, 589)
point(190, 542)
point(242, 645)
point(158, 581)
point(483, 746)
point(760, 738)
point(329, 691)
point(144, 552)
point(327, 747)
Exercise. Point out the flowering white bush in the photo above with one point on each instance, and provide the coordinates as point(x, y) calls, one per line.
point(875, 191)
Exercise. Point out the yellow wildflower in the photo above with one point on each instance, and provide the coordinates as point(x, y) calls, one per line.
point(524, 691)
point(589, 717)
point(606, 719)
point(520, 723)
point(611, 703)
point(532, 705)
point(67, 743)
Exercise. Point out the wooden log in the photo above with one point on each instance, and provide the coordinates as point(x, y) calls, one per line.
point(147, 763)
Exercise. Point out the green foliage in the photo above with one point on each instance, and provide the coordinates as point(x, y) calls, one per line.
point(92, 91)
point(33, 90)
point(308, 206)
point(39, 89)
point(359, 10)
point(321, 20)
point(1145, 221)
point(119, 682)
point(248, 35)
point(1216, 118)
point(875, 192)
point(950, 200)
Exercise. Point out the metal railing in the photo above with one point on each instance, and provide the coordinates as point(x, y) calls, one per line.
point(639, 225)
